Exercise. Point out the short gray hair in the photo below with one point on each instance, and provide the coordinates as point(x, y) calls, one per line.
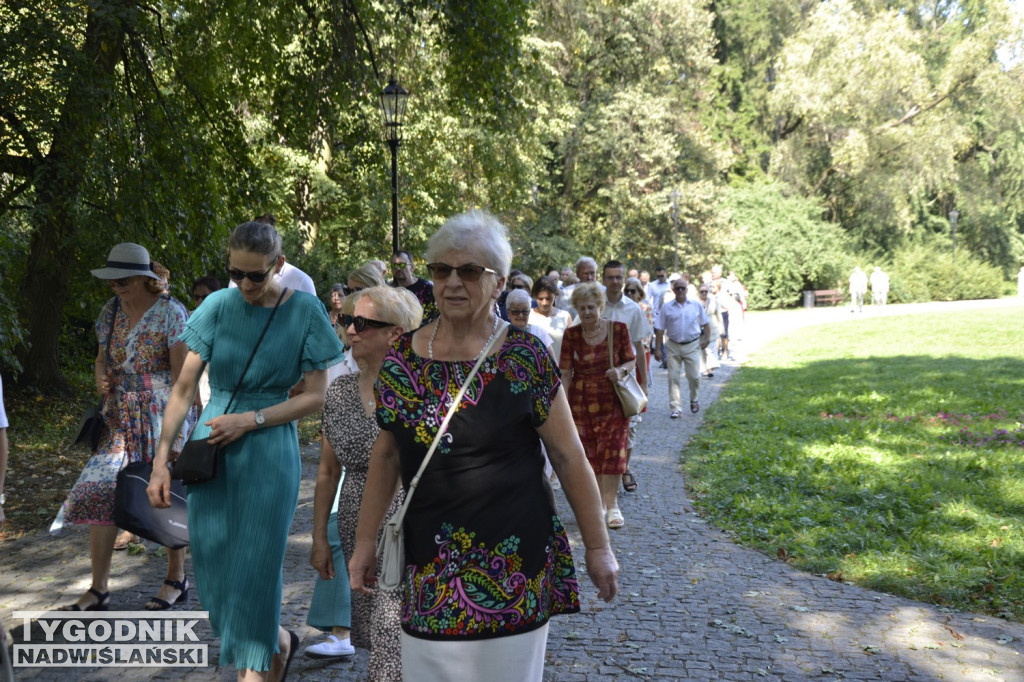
point(588, 291)
point(396, 305)
point(518, 296)
point(586, 260)
point(473, 230)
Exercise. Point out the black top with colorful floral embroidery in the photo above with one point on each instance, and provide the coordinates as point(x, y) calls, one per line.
point(486, 553)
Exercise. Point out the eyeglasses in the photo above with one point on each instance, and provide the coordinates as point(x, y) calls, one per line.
point(517, 312)
point(679, 288)
point(361, 323)
point(467, 273)
point(254, 277)
point(400, 266)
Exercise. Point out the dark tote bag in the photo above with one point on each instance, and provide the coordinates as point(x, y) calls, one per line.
point(134, 513)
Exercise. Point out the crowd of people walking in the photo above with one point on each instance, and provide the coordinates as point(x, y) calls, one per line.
point(538, 363)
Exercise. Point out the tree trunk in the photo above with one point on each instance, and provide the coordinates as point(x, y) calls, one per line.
point(58, 183)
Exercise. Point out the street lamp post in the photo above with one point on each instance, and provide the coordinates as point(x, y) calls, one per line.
point(674, 196)
point(393, 100)
point(953, 215)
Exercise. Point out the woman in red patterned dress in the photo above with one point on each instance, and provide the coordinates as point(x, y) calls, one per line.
point(586, 370)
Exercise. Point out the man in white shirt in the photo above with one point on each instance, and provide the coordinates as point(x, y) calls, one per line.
point(656, 291)
point(685, 324)
point(586, 271)
point(619, 308)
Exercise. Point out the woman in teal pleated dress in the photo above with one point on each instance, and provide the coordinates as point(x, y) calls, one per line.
point(239, 521)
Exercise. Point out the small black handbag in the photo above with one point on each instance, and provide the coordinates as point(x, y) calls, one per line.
point(90, 429)
point(197, 462)
point(134, 513)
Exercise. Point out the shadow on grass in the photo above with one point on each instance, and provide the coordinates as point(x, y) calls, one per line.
point(904, 474)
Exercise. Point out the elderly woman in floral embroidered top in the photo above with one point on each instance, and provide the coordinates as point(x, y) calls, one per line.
point(487, 559)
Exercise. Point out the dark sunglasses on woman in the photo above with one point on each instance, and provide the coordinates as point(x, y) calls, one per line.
point(254, 277)
point(467, 273)
point(360, 323)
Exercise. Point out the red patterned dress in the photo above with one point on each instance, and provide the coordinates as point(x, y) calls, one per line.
point(603, 427)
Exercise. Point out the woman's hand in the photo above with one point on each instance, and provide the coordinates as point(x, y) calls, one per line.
point(603, 570)
point(362, 568)
point(105, 383)
point(159, 488)
point(613, 374)
point(322, 559)
point(227, 428)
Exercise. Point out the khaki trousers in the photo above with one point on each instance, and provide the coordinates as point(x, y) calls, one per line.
point(682, 356)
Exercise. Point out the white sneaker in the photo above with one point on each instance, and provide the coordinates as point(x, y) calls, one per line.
point(332, 647)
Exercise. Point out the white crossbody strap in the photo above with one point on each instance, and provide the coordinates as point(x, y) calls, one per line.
point(400, 516)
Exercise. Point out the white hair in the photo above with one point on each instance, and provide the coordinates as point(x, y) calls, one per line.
point(586, 260)
point(517, 296)
point(476, 231)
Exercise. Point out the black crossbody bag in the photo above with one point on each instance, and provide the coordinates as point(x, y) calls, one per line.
point(197, 462)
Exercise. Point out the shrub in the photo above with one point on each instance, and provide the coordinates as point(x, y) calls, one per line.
point(786, 247)
point(923, 270)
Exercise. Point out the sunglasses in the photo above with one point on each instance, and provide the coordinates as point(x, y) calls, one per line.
point(467, 273)
point(360, 323)
point(518, 285)
point(632, 291)
point(254, 277)
point(400, 266)
point(122, 282)
point(679, 288)
point(517, 312)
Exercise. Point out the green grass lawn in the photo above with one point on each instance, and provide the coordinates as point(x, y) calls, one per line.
point(885, 452)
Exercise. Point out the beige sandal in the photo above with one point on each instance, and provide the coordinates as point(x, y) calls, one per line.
point(614, 519)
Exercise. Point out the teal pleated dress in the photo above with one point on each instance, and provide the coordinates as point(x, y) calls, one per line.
point(239, 521)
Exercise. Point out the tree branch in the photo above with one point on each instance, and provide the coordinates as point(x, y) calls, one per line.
point(19, 127)
point(917, 109)
point(350, 6)
point(22, 166)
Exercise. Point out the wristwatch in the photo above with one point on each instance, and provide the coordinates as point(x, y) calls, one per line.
point(260, 419)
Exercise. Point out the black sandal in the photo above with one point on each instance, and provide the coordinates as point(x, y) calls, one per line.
point(102, 602)
point(158, 604)
point(291, 653)
point(629, 482)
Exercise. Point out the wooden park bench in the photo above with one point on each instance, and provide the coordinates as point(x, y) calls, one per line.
point(828, 297)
